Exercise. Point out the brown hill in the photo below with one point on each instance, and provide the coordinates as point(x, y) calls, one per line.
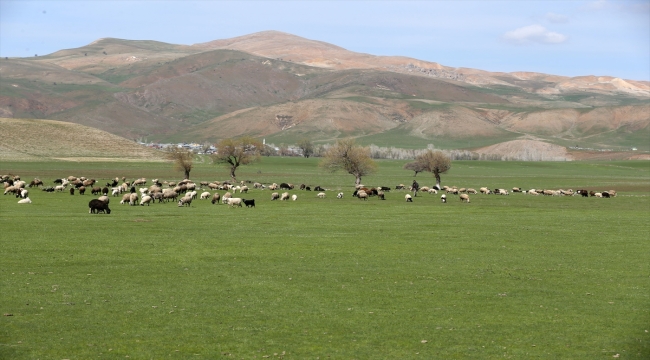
point(26, 140)
point(285, 87)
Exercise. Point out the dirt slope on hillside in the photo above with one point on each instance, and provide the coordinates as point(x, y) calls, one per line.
point(42, 139)
point(527, 150)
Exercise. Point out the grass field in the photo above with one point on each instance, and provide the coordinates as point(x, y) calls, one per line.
point(502, 277)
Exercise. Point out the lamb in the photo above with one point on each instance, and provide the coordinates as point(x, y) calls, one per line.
point(339, 195)
point(205, 195)
point(215, 198)
point(362, 195)
point(443, 198)
point(232, 202)
point(97, 206)
point(185, 200)
point(22, 193)
point(192, 194)
point(294, 197)
point(432, 191)
point(464, 198)
point(285, 196)
point(275, 196)
point(146, 200)
point(321, 195)
point(58, 188)
point(408, 198)
point(249, 203)
point(116, 191)
point(25, 201)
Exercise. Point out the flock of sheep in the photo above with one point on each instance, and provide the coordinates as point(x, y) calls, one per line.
point(184, 192)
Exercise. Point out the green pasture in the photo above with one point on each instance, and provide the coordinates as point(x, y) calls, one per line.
point(501, 277)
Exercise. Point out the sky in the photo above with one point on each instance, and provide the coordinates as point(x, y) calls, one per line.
point(569, 38)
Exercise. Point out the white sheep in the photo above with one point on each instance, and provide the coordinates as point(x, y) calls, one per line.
point(408, 198)
point(25, 201)
point(362, 195)
point(243, 190)
point(285, 196)
point(443, 198)
point(116, 191)
point(275, 196)
point(471, 191)
point(125, 199)
point(232, 202)
point(146, 200)
point(225, 197)
point(205, 195)
point(133, 199)
point(433, 191)
point(321, 195)
point(294, 197)
point(185, 200)
point(104, 198)
point(339, 195)
point(24, 193)
point(464, 198)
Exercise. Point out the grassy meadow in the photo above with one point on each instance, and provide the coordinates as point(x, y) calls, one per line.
point(501, 277)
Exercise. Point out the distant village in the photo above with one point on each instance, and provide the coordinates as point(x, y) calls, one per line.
point(201, 149)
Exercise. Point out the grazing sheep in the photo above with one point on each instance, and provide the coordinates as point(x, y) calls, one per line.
point(232, 202)
point(294, 197)
point(225, 197)
point(285, 186)
point(205, 195)
point(612, 193)
point(215, 198)
point(318, 188)
point(275, 196)
point(48, 189)
point(598, 195)
point(243, 190)
point(25, 201)
point(213, 186)
point(141, 181)
point(58, 188)
point(464, 198)
point(249, 203)
point(257, 185)
point(146, 200)
point(104, 198)
point(471, 191)
point(432, 191)
point(116, 191)
point(133, 199)
point(502, 192)
point(400, 187)
point(485, 190)
point(22, 193)
point(462, 190)
point(95, 190)
point(284, 196)
point(516, 189)
point(158, 196)
point(192, 194)
point(443, 198)
point(96, 206)
point(408, 198)
point(125, 199)
point(105, 191)
point(533, 192)
point(36, 182)
point(170, 195)
point(380, 195)
point(273, 186)
point(185, 200)
point(82, 190)
point(362, 195)
point(339, 195)
point(71, 191)
point(425, 189)
point(321, 195)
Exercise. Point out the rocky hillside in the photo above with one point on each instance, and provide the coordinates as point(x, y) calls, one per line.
point(284, 88)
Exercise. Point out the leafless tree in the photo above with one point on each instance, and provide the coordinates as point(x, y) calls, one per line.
point(183, 160)
point(347, 156)
point(435, 162)
point(235, 152)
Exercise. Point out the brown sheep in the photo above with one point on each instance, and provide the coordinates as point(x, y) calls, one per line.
point(464, 197)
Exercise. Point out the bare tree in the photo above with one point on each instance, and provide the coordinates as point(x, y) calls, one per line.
point(346, 155)
point(415, 167)
point(183, 160)
point(307, 147)
point(435, 162)
point(235, 152)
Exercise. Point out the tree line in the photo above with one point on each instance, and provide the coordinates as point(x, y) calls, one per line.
point(345, 155)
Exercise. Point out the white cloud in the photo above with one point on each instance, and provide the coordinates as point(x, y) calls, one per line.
point(534, 34)
point(557, 18)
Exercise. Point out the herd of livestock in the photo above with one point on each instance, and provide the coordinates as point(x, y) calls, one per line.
point(183, 192)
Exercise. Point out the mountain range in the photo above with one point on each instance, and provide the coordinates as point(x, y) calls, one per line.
point(283, 88)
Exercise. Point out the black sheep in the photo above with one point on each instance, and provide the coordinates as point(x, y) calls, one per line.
point(95, 206)
point(249, 203)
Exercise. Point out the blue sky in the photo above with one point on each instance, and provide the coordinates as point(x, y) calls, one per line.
point(571, 38)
